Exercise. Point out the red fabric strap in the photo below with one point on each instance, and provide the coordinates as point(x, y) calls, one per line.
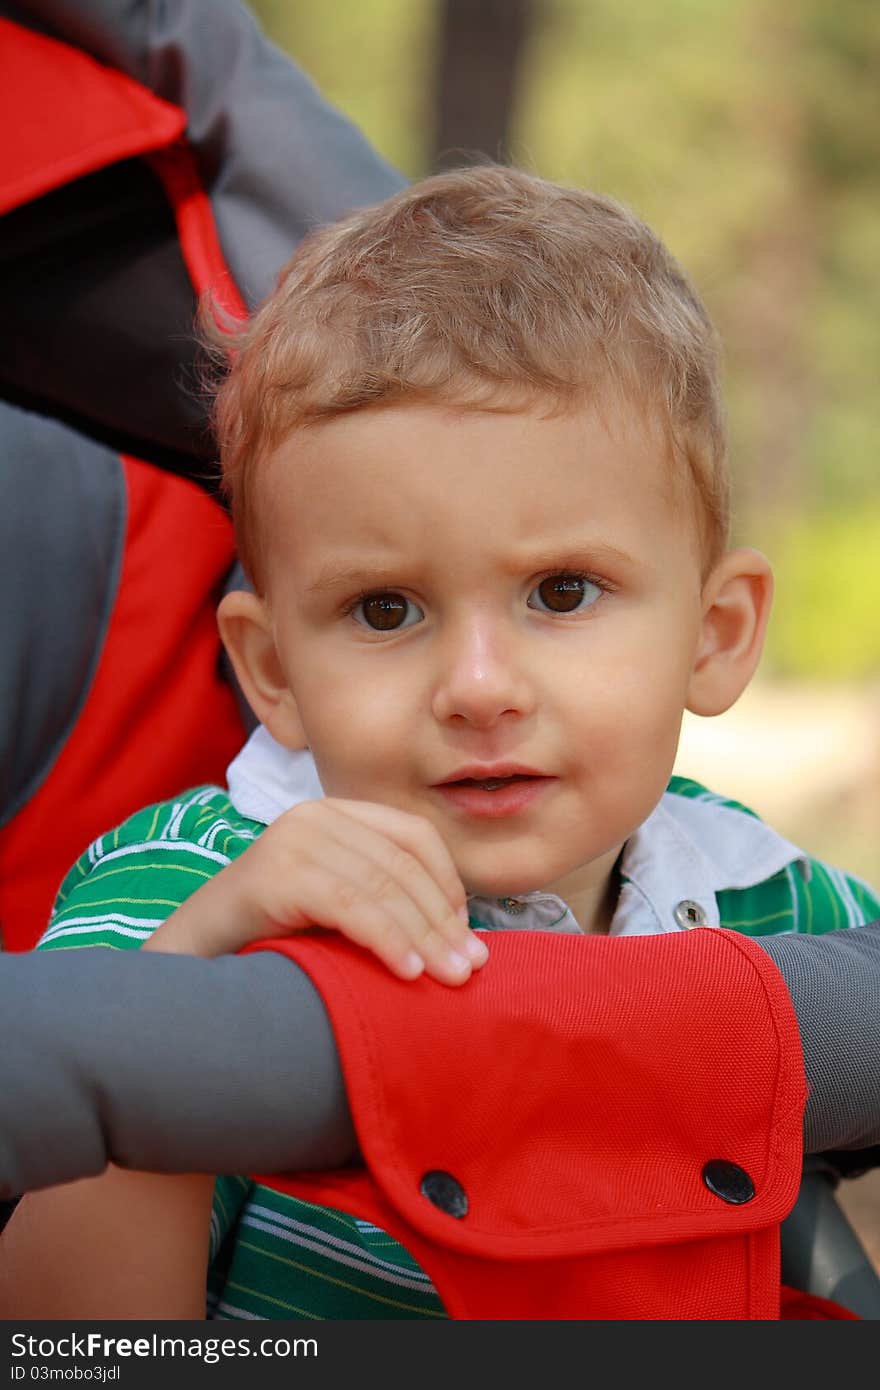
point(196, 228)
point(159, 715)
point(573, 1092)
point(71, 115)
point(810, 1307)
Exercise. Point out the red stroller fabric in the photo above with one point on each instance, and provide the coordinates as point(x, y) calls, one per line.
point(159, 713)
point(70, 115)
point(562, 1108)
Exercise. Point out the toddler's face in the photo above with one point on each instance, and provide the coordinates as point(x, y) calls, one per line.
point(489, 620)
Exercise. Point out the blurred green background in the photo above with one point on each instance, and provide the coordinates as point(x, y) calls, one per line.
point(748, 135)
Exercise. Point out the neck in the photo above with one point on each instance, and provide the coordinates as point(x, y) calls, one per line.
point(591, 891)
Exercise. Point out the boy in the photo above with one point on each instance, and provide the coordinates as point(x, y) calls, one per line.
point(475, 448)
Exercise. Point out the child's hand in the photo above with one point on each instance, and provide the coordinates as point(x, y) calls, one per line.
point(382, 877)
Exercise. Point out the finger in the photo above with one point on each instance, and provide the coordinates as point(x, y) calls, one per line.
point(340, 863)
point(399, 880)
point(345, 891)
point(418, 837)
point(412, 833)
point(420, 841)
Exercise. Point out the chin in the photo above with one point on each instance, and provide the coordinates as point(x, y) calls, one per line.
point(500, 885)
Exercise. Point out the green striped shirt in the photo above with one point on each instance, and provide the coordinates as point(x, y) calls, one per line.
point(271, 1255)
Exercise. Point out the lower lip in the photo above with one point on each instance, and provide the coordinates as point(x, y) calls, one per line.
point(506, 801)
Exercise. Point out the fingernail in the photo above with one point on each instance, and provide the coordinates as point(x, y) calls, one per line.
point(463, 914)
point(412, 965)
point(457, 962)
point(476, 949)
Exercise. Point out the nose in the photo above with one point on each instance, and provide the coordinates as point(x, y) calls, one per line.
point(483, 676)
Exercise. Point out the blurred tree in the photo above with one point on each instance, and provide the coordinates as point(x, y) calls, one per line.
point(482, 43)
point(375, 59)
point(768, 307)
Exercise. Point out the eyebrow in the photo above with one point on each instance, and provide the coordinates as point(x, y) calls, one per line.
point(353, 576)
point(569, 554)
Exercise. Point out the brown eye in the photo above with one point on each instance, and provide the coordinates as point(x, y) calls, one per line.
point(564, 593)
point(386, 612)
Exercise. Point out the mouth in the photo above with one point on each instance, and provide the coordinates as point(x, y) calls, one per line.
point(491, 784)
point(489, 795)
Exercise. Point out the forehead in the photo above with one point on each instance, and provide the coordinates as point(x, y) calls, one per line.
point(422, 477)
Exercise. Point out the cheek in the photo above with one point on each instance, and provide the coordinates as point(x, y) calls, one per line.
point(627, 714)
point(353, 733)
point(627, 755)
point(650, 672)
point(649, 718)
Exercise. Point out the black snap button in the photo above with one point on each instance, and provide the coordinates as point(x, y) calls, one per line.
point(446, 1192)
point(728, 1181)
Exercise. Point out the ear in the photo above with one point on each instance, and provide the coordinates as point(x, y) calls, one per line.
point(246, 629)
point(737, 598)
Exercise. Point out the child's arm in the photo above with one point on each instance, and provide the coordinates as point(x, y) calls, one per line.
point(125, 1245)
point(381, 876)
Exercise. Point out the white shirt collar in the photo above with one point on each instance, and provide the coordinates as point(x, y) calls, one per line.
point(672, 867)
point(265, 779)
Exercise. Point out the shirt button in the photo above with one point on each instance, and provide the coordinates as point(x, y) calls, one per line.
point(513, 906)
point(690, 914)
point(728, 1181)
point(445, 1191)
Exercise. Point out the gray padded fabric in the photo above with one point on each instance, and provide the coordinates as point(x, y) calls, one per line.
point(177, 1064)
point(834, 982)
point(58, 594)
point(275, 157)
point(163, 1062)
